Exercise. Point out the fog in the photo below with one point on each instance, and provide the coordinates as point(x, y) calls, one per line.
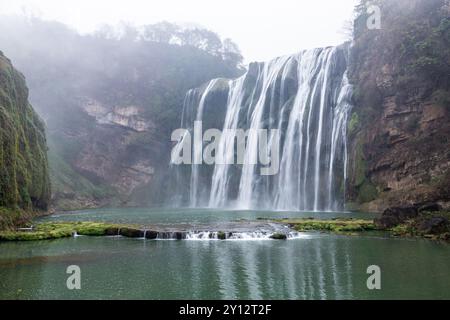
point(263, 29)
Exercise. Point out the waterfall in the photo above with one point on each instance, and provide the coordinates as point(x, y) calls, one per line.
point(306, 97)
point(198, 146)
point(218, 196)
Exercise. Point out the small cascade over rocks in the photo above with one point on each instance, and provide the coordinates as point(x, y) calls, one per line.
point(307, 97)
point(230, 231)
point(256, 235)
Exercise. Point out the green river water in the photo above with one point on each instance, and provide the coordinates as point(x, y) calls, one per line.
point(313, 266)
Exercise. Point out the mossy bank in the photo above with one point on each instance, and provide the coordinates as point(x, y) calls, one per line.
point(24, 178)
point(408, 224)
point(57, 230)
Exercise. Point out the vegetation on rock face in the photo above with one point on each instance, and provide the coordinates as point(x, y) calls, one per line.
point(24, 181)
point(416, 222)
point(436, 228)
point(335, 225)
point(353, 124)
point(399, 130)
point(425, 224)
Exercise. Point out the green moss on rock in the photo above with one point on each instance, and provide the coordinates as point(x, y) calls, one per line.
point(221, 235)
point(353, 124)
point(367, 192)
point(56, 230)
point(278, 236)
point(336, 225)
point(430, 225)
point(24, 179)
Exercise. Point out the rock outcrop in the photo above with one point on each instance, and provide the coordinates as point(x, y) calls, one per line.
point(394, 216)
point(435, 225)
point(399, 131)
point(24, 179)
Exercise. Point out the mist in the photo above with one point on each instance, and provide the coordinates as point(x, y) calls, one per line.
point(262, 29)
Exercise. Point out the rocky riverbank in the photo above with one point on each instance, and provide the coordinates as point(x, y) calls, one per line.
point(401, 222)
point(343, 226)
point(412, 221)
point(243, 230)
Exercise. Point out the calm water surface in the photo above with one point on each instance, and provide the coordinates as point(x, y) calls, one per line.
point(315, 266)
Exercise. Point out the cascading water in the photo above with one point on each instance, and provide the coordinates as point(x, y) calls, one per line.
point(307, 98)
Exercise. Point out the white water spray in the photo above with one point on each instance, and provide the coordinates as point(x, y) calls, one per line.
point(307, 98)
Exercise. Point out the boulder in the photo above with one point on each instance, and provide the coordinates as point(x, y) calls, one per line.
point(131, 233)
point(435, 225)
point(152, 235)
point(394, 216)
point(278, 236)
point(430, 207)
point(221, 235)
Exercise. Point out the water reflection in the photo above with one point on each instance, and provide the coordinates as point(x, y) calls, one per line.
point(297, 269)
point(316, 267)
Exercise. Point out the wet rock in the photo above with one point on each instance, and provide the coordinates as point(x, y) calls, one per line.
point(151, 235)
point(435, 225)
point(221, 235)
point(430, 207)
point(131, 233)
point(172, 235)
point(278, 236)
point(394, 216)
point(445, 236)
point(180, 235)
point(112, 231)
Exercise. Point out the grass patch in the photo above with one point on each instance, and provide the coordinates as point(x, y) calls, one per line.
point(334, 225)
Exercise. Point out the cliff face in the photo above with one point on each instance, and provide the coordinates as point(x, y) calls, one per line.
point(399, 131)
point(24, 181)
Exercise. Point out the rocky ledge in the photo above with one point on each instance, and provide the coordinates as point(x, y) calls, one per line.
point(244, 230)
point(426, 220)
point(399, 221)
point(342, 226)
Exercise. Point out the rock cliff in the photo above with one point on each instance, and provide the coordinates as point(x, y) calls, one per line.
point(399, 131)
point(24, 180)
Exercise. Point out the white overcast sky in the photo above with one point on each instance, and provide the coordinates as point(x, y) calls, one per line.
point(263, 29)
